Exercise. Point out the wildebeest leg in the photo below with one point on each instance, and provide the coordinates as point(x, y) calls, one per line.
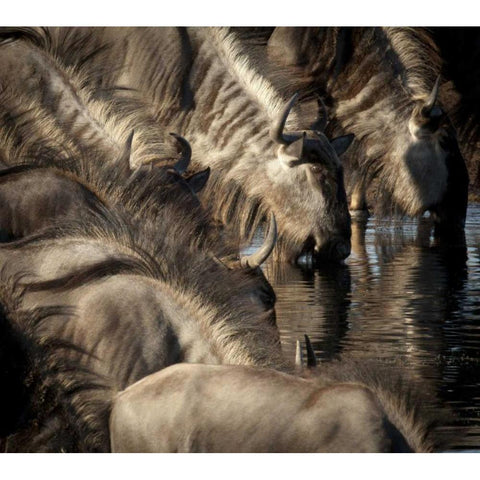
point(358, 201)
point(424, 229)
point(3, 445)
point(358, 239)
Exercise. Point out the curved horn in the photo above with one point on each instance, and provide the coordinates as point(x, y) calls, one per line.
point(432, 98)
point(276, 132)
point(311, 360)
point(298, 355)
point(182, 164)
point(256, 259)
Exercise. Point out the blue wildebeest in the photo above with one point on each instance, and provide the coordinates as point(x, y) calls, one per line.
point(221, 408)
point(59, 110)
point(88, 186)
point(133, 315)
point(34, 196)
point(106, 173)
point(379, 84)
point(204, 85)
point(118, 268)
point(72, 110)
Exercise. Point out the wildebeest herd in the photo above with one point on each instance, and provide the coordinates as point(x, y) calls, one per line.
point(136, 165)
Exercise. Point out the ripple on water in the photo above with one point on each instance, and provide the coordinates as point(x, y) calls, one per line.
point(398, 297)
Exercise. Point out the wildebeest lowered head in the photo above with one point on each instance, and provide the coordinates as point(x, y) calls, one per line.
point(306, 182)
point(206, 85)
point(379, 84)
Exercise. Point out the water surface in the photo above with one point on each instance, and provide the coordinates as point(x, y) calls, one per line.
point(401, 299)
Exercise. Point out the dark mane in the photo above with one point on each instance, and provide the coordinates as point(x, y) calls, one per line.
point(92, 273)
point(50, 379)
point(105, 113)
point(414, 409)
point(13, 170)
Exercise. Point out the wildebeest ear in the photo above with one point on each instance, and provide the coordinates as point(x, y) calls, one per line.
point(292, 153)
point(198, 180)
point(341, 144)
point(182, 164)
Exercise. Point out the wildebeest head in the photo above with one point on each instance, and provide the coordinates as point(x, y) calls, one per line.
point(174, 182)
point(422, 176)
point(308, 194)
point(190, 185)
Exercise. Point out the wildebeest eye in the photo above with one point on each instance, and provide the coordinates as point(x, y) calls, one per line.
point(315, 168)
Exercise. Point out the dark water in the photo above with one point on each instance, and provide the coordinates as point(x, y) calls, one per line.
point(399, 298)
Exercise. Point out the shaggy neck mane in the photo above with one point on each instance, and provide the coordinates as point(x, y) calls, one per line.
point(67, 406)
point(72, 81)
point(239, 60)
point(419, 56)
point(105, 112)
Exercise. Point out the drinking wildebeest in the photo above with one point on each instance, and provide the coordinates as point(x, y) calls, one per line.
point(203, 84)
point(134, 315)
point(33, 196)
point(223, 408)
point(147, 195)
point(379, 84)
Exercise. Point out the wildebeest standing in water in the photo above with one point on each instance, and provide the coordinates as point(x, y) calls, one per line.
point(202, 84)
point(380, 84)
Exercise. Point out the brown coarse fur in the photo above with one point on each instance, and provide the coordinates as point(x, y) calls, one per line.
point(226, 118)
point(374, 82)
point(412, 408)
point(53, 389)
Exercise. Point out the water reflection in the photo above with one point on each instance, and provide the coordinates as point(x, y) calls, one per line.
point(399, 297)
point(314, 302)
